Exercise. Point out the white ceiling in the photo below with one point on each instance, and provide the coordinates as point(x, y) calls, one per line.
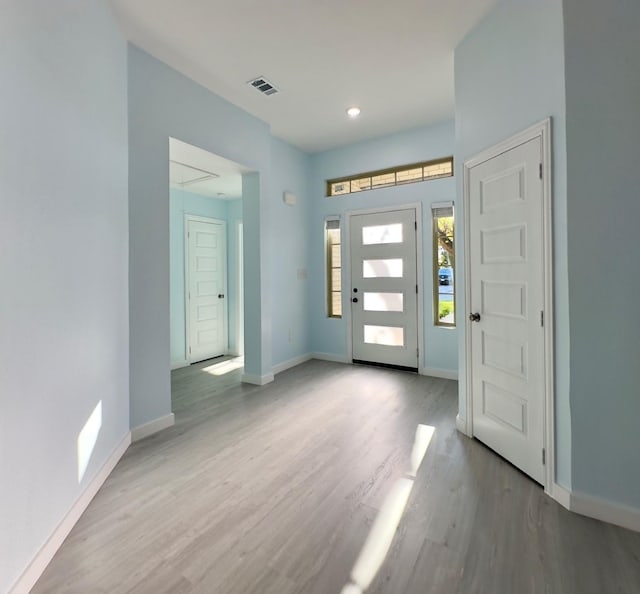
point(188, 163)
point(393, 59)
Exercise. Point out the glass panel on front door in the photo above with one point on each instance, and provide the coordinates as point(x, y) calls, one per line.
point(384, 335)
point(391, 268)
point(383, 302)
point(378, 234)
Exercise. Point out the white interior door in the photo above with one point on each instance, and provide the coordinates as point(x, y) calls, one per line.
point(507, 300)
point(206, 282)
point(384, 318)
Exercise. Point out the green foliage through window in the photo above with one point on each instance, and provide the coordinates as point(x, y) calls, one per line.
point(444, 265)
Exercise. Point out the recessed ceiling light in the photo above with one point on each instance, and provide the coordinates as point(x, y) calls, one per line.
point(353, 112)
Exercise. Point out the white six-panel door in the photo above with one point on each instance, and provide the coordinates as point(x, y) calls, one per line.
point(507, 303)
point(206, 283)
point(383, 288)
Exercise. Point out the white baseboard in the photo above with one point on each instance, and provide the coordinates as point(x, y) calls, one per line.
point(330, 357)
point(179, 364)
point(280, 367)
point(596, 508)
point(142, 431)
point(607, 511)
point(43, 557)
point(461, 425)
point(451, 374)
point(560, 494)
point(257, 380)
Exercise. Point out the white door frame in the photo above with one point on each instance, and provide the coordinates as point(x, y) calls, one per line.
point(541, 130)
point(419, 278)
point(240, 288)
point(187, 326)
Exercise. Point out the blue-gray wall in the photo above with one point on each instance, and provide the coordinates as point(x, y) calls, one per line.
point(290, 307)
point(603, 202)
point(330, 335)
point(230, 211)
point(509, 75)
point(64, 342)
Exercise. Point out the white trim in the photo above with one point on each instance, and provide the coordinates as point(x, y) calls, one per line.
point(540, 130)
point(347, 277)
point(179, 364)
point(417, 206)
point(450, 374)
point(43, 557)
point(421, 294)
point(280, 367)
point(331, 357)
point(461, 425)
point(510, 143)
point(561, 495)
point(240, 288)
point(187, 329)
point(549, 315)
point(468, 417)
point(146, 429)
point(257, 380)
point(606, 511)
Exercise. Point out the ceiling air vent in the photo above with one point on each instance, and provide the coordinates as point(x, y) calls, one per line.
point(263, 85)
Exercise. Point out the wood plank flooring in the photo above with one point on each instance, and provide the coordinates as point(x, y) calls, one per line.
point(274, 489)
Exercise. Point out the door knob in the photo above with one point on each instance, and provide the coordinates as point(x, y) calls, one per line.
point(220, 295)
point(355, 300)
point(474, 317)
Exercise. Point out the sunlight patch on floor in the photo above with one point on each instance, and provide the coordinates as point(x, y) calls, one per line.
point(225, 367)
point(378, 543)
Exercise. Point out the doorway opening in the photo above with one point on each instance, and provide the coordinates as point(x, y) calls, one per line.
point(206, 255)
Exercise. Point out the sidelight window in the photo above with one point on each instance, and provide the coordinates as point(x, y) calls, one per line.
point(444, 290)
point(334, 268)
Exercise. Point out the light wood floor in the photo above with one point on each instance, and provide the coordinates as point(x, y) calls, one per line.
point(274, 489)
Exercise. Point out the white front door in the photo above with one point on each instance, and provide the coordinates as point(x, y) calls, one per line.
point(384, 288)
point(507, 302)
point(206, 283)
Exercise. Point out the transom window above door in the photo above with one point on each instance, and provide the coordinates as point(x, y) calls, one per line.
point(393, 176)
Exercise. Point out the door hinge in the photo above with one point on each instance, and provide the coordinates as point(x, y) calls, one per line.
point(540, 171)
point(544, 456)
point(415, 225)
point(542, 318)
point(416, 289)
point(417, 353)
